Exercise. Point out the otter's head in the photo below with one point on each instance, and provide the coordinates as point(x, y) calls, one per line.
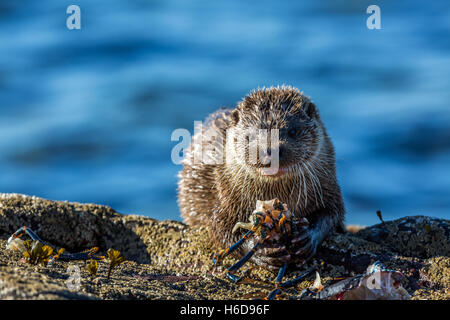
point(297, 123)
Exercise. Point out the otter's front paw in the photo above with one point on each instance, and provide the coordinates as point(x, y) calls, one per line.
point(302, 247)
point(271, 255)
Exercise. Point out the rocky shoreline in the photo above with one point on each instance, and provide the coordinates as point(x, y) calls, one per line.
point(169, 260)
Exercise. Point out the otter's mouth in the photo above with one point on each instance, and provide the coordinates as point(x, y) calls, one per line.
point(273, 172)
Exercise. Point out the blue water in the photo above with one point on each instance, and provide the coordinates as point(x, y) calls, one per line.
point(86, 115)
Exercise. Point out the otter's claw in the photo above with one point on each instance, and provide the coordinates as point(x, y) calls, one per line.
point(302, 246)
point(303, 237)
point(273, 225)
point(306, 252)
point(272, 263)
point(272, 256)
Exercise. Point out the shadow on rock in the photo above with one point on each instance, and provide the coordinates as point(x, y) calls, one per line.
point(73, 226)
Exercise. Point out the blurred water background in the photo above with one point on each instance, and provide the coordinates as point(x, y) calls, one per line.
point(87, 115)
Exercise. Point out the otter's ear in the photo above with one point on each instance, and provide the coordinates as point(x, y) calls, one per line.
point(235, 117)
point(311, 110)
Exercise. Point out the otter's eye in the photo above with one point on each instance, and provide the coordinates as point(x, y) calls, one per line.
point(292, 133)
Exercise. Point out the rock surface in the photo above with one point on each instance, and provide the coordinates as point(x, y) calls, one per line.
point(169, 260)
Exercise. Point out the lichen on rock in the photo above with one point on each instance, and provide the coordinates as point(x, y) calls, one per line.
point(169, 260)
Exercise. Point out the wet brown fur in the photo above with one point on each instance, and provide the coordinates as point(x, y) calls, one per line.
point(218, 196)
